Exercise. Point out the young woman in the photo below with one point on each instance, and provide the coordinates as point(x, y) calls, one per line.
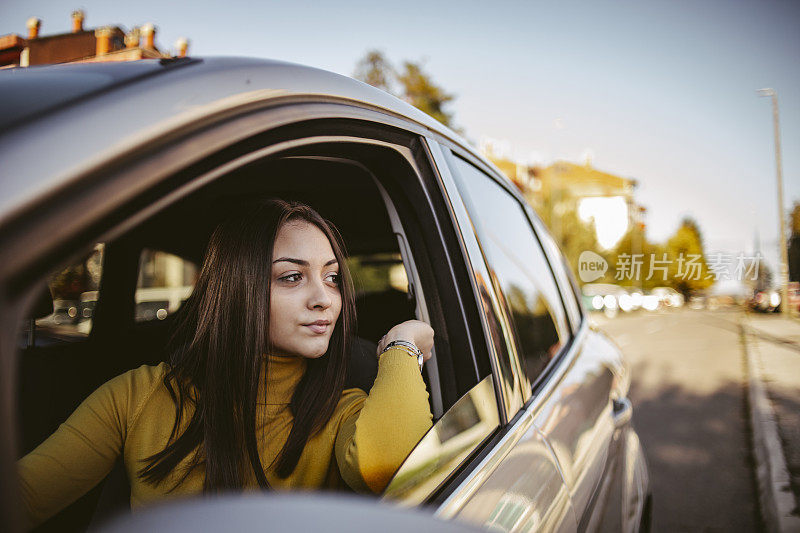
point(253, 395)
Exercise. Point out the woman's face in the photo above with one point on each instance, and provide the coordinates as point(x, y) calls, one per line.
point(305, 300)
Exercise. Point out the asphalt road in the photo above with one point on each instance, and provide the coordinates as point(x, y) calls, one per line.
point(689, 410)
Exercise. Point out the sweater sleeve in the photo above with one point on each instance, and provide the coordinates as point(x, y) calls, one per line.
point(379, 431)
point(83, 449)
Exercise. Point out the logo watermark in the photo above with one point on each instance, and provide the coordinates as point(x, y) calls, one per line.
point(718, 267)
point(591, 266)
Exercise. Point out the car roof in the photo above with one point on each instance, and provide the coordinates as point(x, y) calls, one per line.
point(89, 112)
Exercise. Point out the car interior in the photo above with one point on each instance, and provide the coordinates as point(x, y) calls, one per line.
point(118, 297)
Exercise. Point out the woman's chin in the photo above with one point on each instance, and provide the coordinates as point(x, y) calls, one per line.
point(315, 353)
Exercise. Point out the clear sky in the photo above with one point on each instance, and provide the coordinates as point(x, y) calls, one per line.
point(660, 91)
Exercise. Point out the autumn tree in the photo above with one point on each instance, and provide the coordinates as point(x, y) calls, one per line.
point(574, 235)
point(420, 91)
point(762, 281)
point(374, 69)
point(415, 85)
point(687, 262)
point(794, 244)
point(649, 257)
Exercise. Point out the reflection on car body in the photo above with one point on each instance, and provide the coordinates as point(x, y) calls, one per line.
point(532, 425)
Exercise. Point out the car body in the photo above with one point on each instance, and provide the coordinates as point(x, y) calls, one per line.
point(112, 182)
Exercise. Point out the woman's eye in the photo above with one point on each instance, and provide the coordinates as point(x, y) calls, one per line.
point(333, 278)
point(291, 278)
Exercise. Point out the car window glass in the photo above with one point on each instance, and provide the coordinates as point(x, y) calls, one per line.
point(165, 282)
point(562, 271)
point(519, 266)
point(446, 445)
point(65, 309)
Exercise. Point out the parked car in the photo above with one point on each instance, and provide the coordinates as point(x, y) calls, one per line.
point(668, 297)
point(104, 164)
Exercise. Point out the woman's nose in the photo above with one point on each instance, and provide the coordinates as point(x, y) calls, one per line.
point(319, 296)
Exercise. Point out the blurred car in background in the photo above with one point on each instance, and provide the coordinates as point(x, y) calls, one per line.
point(667, 296)
point(767, 301)
point(606, 297)
point(794, 296)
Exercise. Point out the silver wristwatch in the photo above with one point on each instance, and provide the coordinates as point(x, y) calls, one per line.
point(410, 348)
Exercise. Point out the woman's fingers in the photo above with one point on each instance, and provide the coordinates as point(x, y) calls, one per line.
point(382, 344)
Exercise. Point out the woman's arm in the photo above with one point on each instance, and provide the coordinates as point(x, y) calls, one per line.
point(380, 432)
point(83, 449)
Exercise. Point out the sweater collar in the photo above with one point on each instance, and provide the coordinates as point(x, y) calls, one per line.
point(283, 375)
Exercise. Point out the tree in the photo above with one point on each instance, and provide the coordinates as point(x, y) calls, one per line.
point(634, 246)
point(763, 279)
point(416, 86)
point(574, 236)
point(374, 69)
point(687, 263)
point(794, 244)
point(420, 91)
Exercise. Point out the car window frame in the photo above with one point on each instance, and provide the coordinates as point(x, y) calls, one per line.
point(532, 389)
point(507, 388)
point(565, 279)
point(99, 225)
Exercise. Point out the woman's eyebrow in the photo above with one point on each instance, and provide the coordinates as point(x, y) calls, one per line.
point(301, 262)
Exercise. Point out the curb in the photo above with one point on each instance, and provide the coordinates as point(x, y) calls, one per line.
point(774, 492)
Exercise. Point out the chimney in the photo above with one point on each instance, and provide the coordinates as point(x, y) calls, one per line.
point(103, 36)
point(182, 45)
point(77, 20)
point(33, 27)
point(149, 33)
point(132, 38)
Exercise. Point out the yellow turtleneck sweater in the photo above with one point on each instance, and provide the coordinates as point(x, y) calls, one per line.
point(132, 415)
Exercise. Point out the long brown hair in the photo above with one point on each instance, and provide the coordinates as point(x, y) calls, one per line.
point(221, 334)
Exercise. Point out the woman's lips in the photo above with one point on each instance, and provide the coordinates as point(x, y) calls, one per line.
point(318, 327)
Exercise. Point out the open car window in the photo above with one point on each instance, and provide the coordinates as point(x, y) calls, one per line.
point(65, 307)
point(394, 250)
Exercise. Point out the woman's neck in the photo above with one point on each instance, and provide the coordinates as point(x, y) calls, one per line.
point(283, 375)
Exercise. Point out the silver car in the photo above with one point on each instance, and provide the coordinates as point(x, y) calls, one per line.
point(112, 178)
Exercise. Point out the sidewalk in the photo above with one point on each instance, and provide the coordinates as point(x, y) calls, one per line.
point(773, 350)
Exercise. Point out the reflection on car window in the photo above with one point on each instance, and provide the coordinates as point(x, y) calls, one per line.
point(518, 267)
point(448, 443)
point(65, 310)
point(165, 282)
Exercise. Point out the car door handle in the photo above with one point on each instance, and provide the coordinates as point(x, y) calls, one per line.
point(623, 411)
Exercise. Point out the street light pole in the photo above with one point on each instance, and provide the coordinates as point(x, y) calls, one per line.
point(782, 236)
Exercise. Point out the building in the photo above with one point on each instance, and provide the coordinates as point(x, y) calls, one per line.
point(81, 45)
point(562, 188)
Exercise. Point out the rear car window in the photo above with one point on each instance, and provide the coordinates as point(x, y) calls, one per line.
point(165, 281)
point(519, 268)
point(65, 307)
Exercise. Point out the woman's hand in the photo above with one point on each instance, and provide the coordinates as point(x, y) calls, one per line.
point(416, 331)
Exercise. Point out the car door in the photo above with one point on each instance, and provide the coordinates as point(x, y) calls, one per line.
point(571, 378)
point(514, 482)
point(610, 448)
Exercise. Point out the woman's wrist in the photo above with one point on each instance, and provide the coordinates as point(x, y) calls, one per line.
point(408, 347)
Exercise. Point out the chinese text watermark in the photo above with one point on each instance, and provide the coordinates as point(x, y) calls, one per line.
point(717, 266)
